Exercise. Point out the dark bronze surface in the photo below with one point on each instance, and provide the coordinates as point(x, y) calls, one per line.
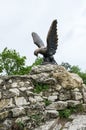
point(52, 43)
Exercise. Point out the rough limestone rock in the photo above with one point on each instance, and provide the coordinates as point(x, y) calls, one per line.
point(55, 74)
point(78, 122)
point(22, 103)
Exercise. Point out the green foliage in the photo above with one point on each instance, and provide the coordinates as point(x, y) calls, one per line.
point(37, 118)
point(24, 70)
point(11, 62)
point(40, 87)
point(17, 126)
point(70, 68)
point(75, 69)
point(68, 111)
point(65, 113)
point(38, 61)
point(20, 125)
point(47, 102)
point(77, 109)
point(27, 69)
point(66, 65)
point(83, 76)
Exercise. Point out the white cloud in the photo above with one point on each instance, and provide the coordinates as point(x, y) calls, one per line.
point(18, 18)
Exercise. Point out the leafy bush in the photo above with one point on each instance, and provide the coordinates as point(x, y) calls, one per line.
point(75, 69)
point(66, 65)
point(11, 62)
point(38, 61)
point(83, 76)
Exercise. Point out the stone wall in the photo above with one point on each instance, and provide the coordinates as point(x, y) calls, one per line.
point(22, 104)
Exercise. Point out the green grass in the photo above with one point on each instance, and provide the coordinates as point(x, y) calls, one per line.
point(40, 88)
point(37, 118)
point(47, 102)
point(65, 113)
point(70, 110)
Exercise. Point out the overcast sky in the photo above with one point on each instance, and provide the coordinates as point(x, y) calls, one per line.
point(19, 18)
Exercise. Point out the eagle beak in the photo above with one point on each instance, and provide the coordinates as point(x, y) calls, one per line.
point(35, 53)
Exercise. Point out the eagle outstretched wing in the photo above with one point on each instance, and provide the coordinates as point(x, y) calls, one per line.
point(52, 39)
point(37, 40)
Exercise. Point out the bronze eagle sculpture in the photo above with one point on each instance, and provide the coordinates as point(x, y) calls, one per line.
point(52, 43)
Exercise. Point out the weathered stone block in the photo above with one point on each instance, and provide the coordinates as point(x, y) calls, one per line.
point(21, 84)
point(59, 105)
point(1, 81)
point(52, 98)
point(23, 119)
point(30, 88)
point(14, 85)
point(65, 96)
point(38, 98)
point(20, 101)
point(23, 89)
point(44, 68)
point(84, 93)
point(84, 97)
point(3, 115)
point(7, 123)
point(76, 90)
point(17, 112)
point(6, 94)
point(29, 93)
point(15, 91)
point(32, 100)
point(72, 103)
point(76, 95)
point(51, 114)
point(84, 107)
point(0, 95)
point(4, 87)
point(6, 103)
point(58, 87)
point(10, 81)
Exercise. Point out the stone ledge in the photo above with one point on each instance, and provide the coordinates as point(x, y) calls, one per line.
point(18, 100)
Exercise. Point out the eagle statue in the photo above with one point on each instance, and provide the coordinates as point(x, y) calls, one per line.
point(52, 43)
